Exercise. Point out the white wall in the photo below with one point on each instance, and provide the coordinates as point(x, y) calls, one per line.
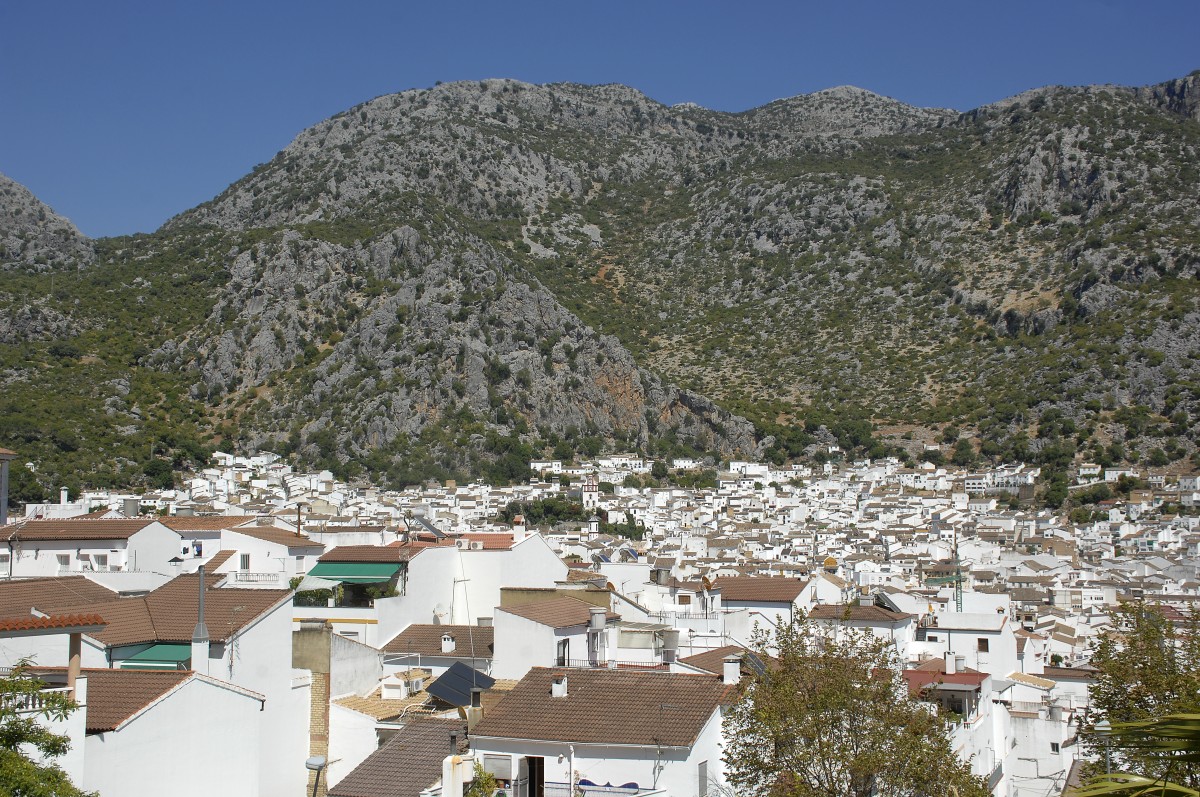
point(352, 738)
point(200, 740)
point(521, 644)
point(260, 659)
point(354, 668)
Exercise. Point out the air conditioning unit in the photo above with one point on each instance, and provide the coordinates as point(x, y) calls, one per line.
point(477, 545)
point(462, 544)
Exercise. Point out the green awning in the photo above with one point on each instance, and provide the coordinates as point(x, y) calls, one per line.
point(356, 572)
point(159, 657)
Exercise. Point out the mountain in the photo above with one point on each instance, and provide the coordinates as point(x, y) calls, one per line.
point(445, 281)
point(34, 236)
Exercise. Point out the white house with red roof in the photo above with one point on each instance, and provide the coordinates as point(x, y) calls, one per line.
point(59, 547)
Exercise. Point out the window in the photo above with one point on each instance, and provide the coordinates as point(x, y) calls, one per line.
point(702, 779)
point(685, 600)
point(932, 638)
point(64, 561)
point(982, 645)
point(561, 657)
point(244, 561)
point(101, 561)
point(1054, 747)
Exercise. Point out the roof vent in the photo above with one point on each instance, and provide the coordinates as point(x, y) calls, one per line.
point(447, 643)
point(558, 687)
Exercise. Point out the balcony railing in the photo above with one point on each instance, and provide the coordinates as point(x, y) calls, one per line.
point(588, 664)
point(247, 577)
point(1025, 708)
point(32, 701)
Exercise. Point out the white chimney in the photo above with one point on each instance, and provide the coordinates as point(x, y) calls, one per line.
point(732, 670)
point(558, 687)
point(63, 496)
point(447, 643)
point(950, 663)
point(597, 618)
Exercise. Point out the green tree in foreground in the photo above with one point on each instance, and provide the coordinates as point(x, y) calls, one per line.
point(1173, 742)
point(1149, 668)
point(20, 775)
point(834, 717)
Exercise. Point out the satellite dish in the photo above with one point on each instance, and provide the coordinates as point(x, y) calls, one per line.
point(706, 583)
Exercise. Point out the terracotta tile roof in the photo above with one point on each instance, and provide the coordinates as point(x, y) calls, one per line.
point(379, 708)
point(168, 614)
point(921, 679)
point(560, 612)
point(204, 522)
point(607, 706)
point(114, 696)
point(53, 622)
point(372, 553)
point(753, 588)
point(714, 660)
point(407, 764)
point(219, 559)
point(855, 612)
point(1069, 672)
point(49, 595)
point(4, 452)
point(494, 541)
point(79, 529)
point(278, 536)
point(427, 640)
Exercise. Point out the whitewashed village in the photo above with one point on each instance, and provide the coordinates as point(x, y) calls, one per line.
point(316, 638)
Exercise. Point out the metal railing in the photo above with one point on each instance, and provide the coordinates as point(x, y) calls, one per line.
point(32, 701)
point(588, 664)
point(256, 578)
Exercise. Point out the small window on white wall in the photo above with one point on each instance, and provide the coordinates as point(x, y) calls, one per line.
point(244, 561)
point(64, 561)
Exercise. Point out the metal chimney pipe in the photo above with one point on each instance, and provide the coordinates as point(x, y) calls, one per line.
point(200, 634)
point(5, 457)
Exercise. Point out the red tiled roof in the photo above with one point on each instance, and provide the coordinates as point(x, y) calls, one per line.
point(79, 529)
point(53, 622)
point(491, 542)
point(204, 522)
point(427, 640)
point(763, 589)
point(114, 696)
point(919, 680)
point(855, 612)
point(607, 707)
point(278, 536)
point(407, 764)
point(49, 595)
point(168, 614)
point(373, 553)
point(559, 612)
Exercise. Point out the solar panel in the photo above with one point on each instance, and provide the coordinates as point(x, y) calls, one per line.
point(455, 684)
point(756, 664)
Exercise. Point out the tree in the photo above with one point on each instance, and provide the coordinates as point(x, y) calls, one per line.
point(20, 729)
point(834, 717)
point(1149, 667)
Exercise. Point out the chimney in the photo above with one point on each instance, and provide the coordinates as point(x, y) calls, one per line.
point(131, 507)
point(453, 742)
point(64, 496)
point(5, 457)
point(950, 663)
point(475, 711)
point(558, 687)
point(597, 618)
point(447, 643)
point(732, 671)
point(200, 635)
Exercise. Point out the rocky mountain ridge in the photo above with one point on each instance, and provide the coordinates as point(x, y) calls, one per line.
point(482, 270)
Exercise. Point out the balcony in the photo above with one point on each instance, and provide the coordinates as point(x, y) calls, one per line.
point(587, 664)
point(246, 578)
point(592, 790)
point(32, 701)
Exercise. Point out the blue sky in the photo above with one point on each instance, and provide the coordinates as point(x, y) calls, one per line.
point(122, 114)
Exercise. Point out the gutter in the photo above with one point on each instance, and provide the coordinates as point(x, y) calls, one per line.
point(651, 745)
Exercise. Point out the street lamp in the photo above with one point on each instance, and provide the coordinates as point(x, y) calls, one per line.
point(1103, 727)
point(315, 764)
